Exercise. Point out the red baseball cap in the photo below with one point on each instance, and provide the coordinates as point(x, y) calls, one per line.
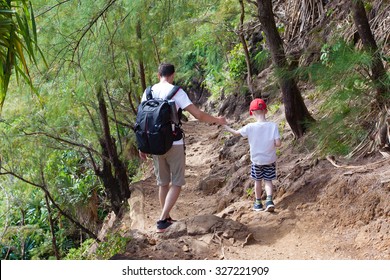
point(257, 104)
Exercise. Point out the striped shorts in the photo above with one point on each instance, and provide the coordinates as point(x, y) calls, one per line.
point(266, 172)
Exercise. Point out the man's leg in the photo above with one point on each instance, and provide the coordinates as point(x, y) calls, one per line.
point(171, 169)
point(170, 199)
point(176, 162)
point(162, 195)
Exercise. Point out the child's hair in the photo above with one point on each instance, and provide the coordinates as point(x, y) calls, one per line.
point(259, 112)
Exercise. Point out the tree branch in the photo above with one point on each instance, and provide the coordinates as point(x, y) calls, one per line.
point(88, 27)
point(41, 133)
point(52, 7)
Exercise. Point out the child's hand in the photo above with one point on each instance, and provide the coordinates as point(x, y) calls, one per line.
point(235, 132)
point(227, 128)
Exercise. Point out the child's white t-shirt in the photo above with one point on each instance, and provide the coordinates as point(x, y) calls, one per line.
point(161, 90)
point(261, 138)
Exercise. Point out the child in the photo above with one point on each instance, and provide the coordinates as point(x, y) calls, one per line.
point(263, 137)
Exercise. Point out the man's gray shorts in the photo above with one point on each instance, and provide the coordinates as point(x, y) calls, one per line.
point(170, 167)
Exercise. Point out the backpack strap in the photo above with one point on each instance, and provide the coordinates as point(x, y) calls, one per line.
point(149, 94)
point(172, 93)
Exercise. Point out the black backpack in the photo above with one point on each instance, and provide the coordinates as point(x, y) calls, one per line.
point(154, 128)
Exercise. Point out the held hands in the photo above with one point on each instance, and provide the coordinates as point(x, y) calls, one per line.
point(221, 120)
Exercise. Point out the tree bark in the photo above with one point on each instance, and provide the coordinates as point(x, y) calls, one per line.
point(114, 173)
point(379, 75)
point(245, 47)
point(140, 60)
point(53, 235)
point(296, 111)
point(130, 92)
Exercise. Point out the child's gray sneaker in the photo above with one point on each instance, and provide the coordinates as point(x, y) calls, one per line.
point(269, 206)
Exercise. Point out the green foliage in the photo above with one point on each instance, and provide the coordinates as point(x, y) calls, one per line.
point(81, 253)
point(132, 167)
point(339, 75)
point(206, 37)
point(237, 64)
point(340, 61)
point(250, 192)
point(261, 59)
point(75, 181)
point(274, 107)
point(18, 41)
point(115, 244)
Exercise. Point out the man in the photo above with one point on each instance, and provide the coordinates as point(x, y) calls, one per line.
point(170, 167)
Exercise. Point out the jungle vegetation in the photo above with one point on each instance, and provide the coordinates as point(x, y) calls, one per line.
point(73, 72)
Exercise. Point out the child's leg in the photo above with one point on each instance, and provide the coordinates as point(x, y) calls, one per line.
point(268, 188)
point(258, 206)
point(269, 204)
point(256, 175)
point(258, 190)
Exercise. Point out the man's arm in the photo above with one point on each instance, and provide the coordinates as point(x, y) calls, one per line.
point(203, 116)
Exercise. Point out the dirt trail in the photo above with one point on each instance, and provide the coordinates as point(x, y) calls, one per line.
point(321, 212)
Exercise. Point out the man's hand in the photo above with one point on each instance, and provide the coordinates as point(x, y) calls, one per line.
point(142, 155)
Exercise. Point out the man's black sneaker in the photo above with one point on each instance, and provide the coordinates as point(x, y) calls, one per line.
point(169, 219)
point(162, 225)
point(269, 206)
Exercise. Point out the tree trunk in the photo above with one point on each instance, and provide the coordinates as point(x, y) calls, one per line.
point(296, 111)
point(245, 47)
point(379, 75)
point(131, 89)
point(114, 173)
point(23, 241)
point(53, 235)
point(156, 50)
point(140, 60)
